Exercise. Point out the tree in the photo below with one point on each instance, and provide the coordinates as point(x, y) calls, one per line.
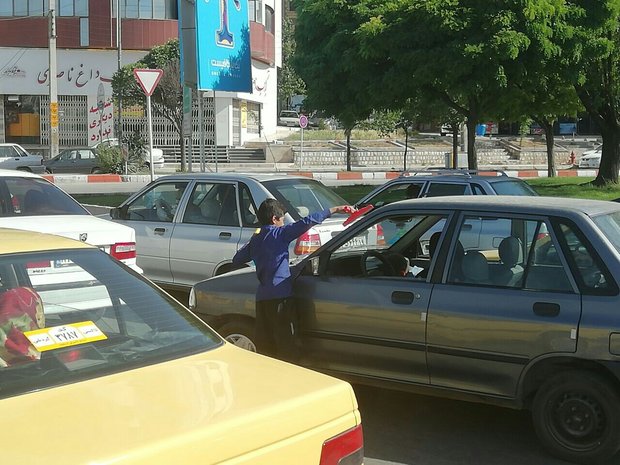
point(591, 56)
point(453, 51)
point(168, 95)
point(289, 82)
point(326, 59)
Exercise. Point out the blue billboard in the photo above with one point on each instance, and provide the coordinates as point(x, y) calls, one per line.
point(223, 45)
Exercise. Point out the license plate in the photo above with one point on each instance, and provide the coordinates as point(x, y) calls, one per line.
point(359, 241)
point(62, 263)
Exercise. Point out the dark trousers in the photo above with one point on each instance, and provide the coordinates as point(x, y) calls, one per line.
point(276, 329)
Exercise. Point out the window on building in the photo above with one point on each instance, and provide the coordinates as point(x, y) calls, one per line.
point(84, 40)
point(146, 9)
point(35, 7)
point(20, 8)
point(66, 8)
point(256, 10)
point(270, 20)
point(81, 8)
point(6, 7)
point(130, 10)
point(159, 9)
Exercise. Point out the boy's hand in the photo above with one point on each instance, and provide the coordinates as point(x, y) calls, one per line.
point(343, 209)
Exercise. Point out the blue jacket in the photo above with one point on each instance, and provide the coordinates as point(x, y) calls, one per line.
point(268, 248)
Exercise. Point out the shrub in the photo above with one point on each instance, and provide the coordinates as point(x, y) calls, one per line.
point(112, 160)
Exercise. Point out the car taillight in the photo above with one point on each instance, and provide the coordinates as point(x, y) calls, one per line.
point(307, 243)
point(123, 250)
point(380, 236)
point(345, 449)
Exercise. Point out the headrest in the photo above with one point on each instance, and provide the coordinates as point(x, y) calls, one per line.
point(510, 251)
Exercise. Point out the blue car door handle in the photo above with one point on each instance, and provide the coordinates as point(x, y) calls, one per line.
point(225, 235)
point(160, 231)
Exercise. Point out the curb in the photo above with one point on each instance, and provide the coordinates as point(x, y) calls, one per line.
point(319, 175)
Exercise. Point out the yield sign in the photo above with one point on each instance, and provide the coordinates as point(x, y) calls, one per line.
point(148, 79)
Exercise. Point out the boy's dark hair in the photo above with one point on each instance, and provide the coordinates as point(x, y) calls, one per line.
point(268, 209)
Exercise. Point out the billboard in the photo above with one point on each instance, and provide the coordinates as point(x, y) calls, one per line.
point(223, 60)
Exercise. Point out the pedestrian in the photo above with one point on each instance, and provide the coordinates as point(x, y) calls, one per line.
point(276, 316)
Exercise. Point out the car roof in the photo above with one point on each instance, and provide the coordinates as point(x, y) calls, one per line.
point(465, 176)
point(19, 241)
point(260, 177)
point(554, 206)
point(18, 174)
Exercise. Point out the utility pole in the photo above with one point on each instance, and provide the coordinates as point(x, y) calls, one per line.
point(119, 66)
point(53, 83)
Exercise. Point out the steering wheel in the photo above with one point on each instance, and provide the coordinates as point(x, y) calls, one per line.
point(387, 266)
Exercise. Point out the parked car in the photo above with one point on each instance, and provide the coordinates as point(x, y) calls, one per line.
point(442, 182)
point(509, 303)
point(189, 226)
point(445, 129)
point(14, 157)
point(591, 158)
point(158, 154)
point(288, 118)
point(104, 367)
point(75, 160)
point(27, 201)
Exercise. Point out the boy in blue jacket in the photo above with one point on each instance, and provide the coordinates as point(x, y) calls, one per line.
point(268, 248)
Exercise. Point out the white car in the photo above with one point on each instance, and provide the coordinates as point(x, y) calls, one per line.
point(14, 157)
point(158, 154)
point(591, 158)
point(189, 226)
point(30, 202)
point(288, 118)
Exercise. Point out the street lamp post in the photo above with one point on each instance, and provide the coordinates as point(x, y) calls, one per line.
point(119, 66)
point(53, 83)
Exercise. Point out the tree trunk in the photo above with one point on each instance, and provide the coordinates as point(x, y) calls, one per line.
point(472, 159)
point(549, 138)
point(406, 146)
point(348, 134)
point(455, 146)
point(610, 157)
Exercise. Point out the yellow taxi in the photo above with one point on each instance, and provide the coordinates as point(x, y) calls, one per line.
point(99, 366)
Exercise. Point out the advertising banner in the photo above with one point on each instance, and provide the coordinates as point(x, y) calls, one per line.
point(223, 45)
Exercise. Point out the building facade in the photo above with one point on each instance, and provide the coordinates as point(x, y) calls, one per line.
point(87, 57)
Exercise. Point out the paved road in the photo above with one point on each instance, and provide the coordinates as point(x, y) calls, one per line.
point(411, 429)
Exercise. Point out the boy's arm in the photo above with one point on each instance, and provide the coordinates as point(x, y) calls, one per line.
point(243, 255)
point(294, 230)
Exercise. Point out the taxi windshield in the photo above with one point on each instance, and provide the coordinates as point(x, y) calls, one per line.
point(71, 315)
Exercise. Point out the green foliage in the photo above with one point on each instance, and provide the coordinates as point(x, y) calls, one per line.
point(112, 160)
point(135, 146)
point(289, 82)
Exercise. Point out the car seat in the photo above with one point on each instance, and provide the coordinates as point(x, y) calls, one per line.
point(475, 268)
point(509, 272)
point(210, 209)
point(34, 202)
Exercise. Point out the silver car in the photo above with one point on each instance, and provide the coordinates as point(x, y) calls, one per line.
point(524, 316)
point(189, 226)
point(14, 157)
